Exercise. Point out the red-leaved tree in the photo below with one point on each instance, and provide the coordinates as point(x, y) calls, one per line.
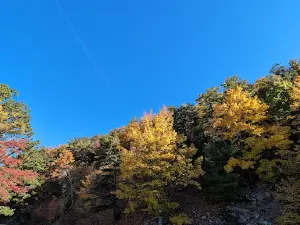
point(13, 179)
point(15, 132)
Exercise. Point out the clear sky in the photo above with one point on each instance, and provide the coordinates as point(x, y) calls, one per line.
point(85, 67)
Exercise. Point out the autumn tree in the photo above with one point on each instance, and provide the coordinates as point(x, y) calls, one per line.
point(240, 121)
point(63, 161)
point(15, 130)
point(218, 185)
point(155, 162)
point(60, 171)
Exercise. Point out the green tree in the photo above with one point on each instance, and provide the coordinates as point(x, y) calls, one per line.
point(35, 158)
point(206, 101)
point(96, 149)
point(205, 104)
point(98, 160)
point(188, 123)
point(104, 165)
point(217, 183)
point(274, 90)
point(289, 72)
point(233, 82)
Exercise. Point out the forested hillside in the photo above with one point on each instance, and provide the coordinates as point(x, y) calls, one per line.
point(231, 158)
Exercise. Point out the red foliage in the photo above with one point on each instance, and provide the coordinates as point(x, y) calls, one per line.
point(12, 179)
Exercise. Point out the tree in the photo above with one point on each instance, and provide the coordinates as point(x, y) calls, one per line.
point(188, 123)
point(274, 90)
point(61, 165)
point(233, 82)
point(295, 94)
point(101, 166)
point(287, 72)
point(35, 158)
point(240, 120)
point(218, 185)
point(100, 156)
point(15, 130)
point(204, 107)
point(156, 162)
point(63, 161)
point(100, 150)
point(288, 190)
point(206, 101)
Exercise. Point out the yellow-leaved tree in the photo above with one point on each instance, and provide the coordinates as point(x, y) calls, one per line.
point(240, 119)
point(155, 161)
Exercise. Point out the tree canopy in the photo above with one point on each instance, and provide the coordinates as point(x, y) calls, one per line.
point(236, 134)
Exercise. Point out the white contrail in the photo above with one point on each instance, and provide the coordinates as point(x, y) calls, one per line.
point(81, 42)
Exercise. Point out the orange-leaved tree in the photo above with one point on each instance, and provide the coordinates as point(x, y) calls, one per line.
point(61, 165)
point(62, 162)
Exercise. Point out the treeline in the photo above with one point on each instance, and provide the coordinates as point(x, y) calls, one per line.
point(234, 136)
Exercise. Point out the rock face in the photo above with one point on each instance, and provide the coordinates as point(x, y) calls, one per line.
point(259, 208)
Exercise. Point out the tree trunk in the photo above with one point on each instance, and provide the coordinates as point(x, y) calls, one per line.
point(160, 220)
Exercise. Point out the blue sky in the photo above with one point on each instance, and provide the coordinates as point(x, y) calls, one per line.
point(85, 67)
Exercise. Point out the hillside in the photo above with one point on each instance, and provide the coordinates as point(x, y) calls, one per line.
point(231, 158)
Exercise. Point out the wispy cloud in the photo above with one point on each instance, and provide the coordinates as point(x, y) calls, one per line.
point(81, 43)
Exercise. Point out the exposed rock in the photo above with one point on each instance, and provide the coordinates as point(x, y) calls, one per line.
point(259, 208)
